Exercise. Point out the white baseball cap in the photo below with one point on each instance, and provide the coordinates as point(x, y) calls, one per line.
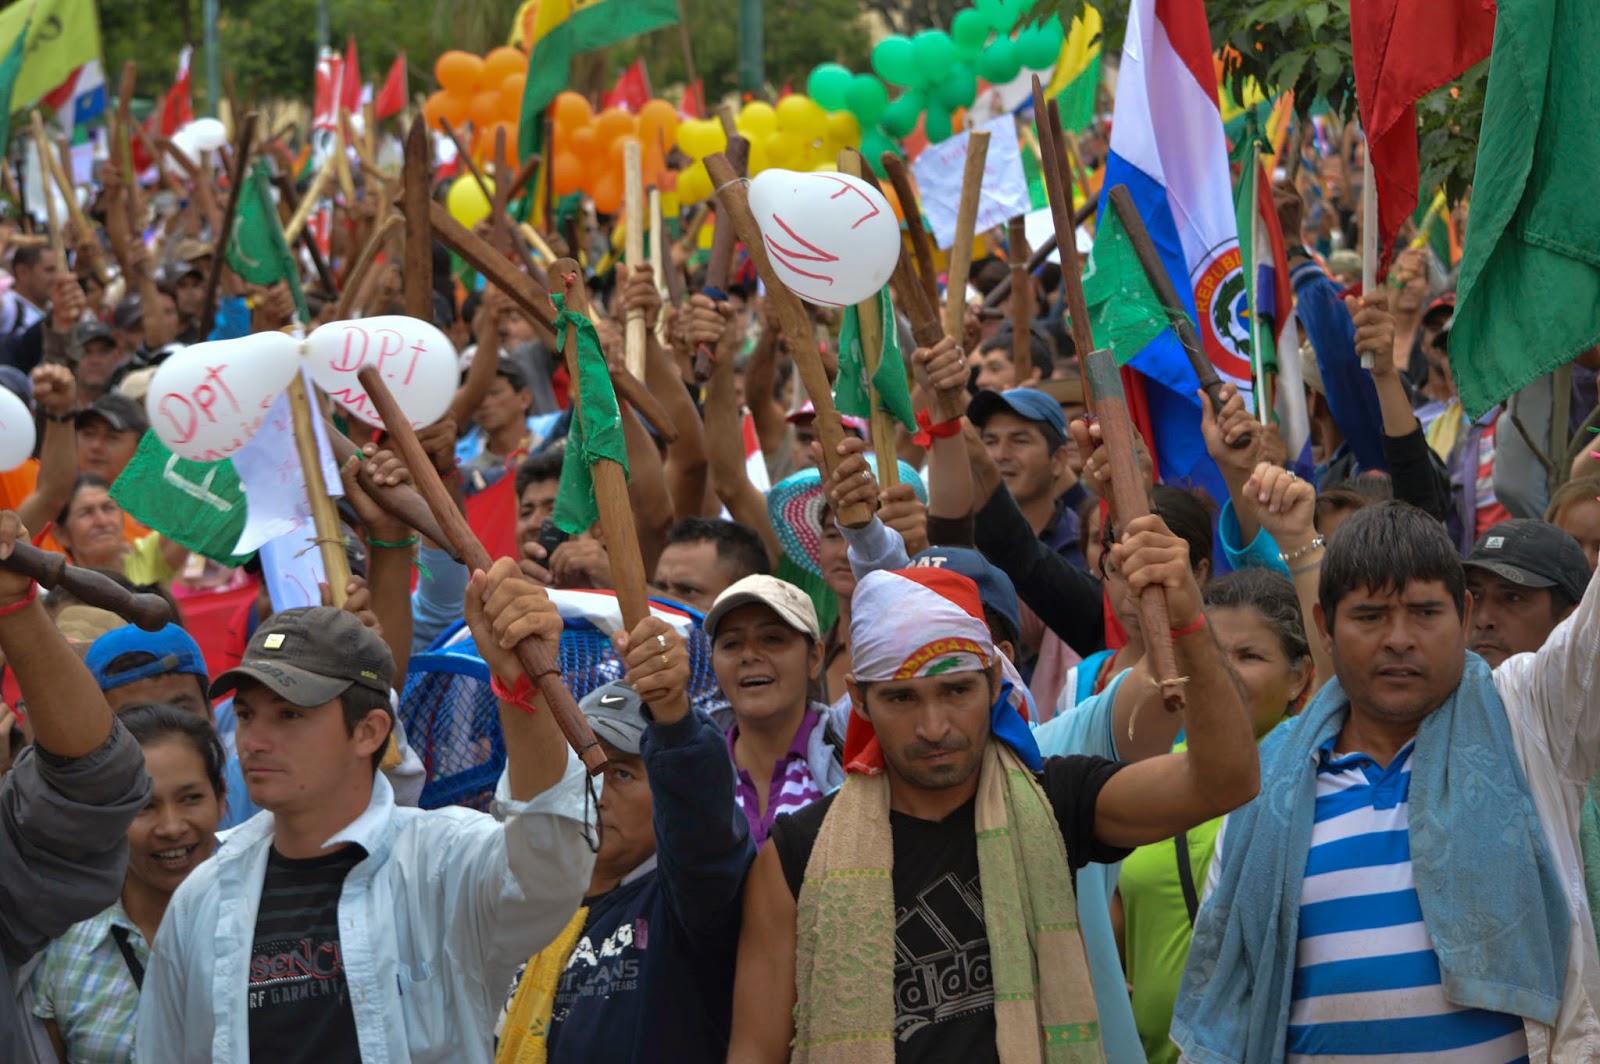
point(793, 606)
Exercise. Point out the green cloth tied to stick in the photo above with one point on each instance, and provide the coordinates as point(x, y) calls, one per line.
point(850, 392)
point(596, 430)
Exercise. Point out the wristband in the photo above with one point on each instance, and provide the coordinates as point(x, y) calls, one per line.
point(927, 431)
point(1293, 556)
point(400, 544)
point(521, 695)
point(1190, 629)
point(33, 593)
point(70, 415)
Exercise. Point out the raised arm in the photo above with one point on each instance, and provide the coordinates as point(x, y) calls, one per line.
point(56, 395)
point(1220, 429)
point(1418, 476)
point(714, 324)
point(760, 381)
point(687, 468)
point(1156, 798)
point(1557, 690)
point(1288, 516)
point(391, 547)
point(764, 981)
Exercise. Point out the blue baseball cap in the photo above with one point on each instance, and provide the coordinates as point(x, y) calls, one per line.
point(1030, 404)
point(174, 649)
point(994, 587)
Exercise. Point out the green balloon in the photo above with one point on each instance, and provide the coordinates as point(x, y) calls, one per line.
point(999, 62)
point(958, 88)
point(829, 84)
point(900, 117)
point(895, 61)
point(1001, 14)
point(970, 31)
point(873, 145)
point(935, 54)
point(1038, 46)
point(937, 123)
point(866, 99)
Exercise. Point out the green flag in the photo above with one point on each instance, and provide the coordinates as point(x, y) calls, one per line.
point(198, 504)
point(62, 35)
point(557, 30)
point(1124, 313)
point(850, 392)
point(1530, 273)
point(257, 251)
point(10, 67)
point(596, 430)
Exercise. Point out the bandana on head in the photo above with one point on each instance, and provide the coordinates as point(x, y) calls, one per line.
point(913, 623)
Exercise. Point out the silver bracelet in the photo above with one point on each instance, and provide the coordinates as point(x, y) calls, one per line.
point(1294, 556)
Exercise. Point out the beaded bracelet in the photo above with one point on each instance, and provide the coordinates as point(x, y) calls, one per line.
point(1295, 555)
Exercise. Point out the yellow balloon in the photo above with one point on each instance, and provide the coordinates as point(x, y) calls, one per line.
point(707, 233)
point(466, 201)
point(758, 156)
point(701, 137)
point(827, 168)
point(758, 120)
point(785, 151)
point(802, 116)
point(694, 184)
point(844, 129)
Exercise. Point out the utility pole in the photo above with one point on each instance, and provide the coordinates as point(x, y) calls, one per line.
point(752, 74)
point(322, 26)
point(213, 62)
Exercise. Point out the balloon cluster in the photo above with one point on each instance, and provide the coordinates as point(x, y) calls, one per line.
point(485, 91)
point(796, 133)
point(588, 148)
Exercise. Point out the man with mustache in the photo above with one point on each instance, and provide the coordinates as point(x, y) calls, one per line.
point(1410, 883)
point(1525, 578)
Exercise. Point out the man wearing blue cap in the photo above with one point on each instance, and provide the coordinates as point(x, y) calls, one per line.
point(133, 666)
point(1025, 433)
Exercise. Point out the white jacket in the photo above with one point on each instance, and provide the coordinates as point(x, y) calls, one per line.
point(432, 926)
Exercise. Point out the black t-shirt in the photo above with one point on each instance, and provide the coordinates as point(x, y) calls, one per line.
point(299, 1001)
point(944, 990)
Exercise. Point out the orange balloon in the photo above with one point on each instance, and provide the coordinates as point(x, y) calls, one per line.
point(658, 119)
point(485, 109)
point(511, 97)
point(607, 193)
point(894, 202)
point(616, 153)
point(501, 64)
point(566, 173)
point(615, 122)
point(571, 111)
point(483, 146)
point(584, 142)
point(458, 72)
point(443, 105)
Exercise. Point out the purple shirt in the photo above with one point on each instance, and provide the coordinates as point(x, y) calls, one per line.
point(792, 786)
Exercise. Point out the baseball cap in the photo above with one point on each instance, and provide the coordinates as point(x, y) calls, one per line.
point(512, 371)
point(121, 412)
point(994, 587)
point(1532, 554)
point(616, 713)
point(175, 651)
point(312, 655)
point(87, 332)
point(808, 410)
point(793, 606)
point(1446, 302)
point(190, 251)
point(1030, 404)
point(128, 313)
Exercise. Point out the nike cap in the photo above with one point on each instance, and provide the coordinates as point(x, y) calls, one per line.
point(616, 713)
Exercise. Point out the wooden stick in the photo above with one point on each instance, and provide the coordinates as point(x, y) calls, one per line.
point(358, 273)
point(369, 133)
point(324, 514)
point(419, 230)
point(723, 239)
point(287, 196)
point(658, 268)
point(399, 500)
point(1155, 272)
point(1369, 236)
point(870, 316)
point(734, 198)
point(632, 391)
point(535, 660)
point(93, 588)
point(341, 159)
point(1041, 254)
point(633, 255)
point(1021, 300)
point(1066, 232)
point(41, 145)
point(308, 203)
point(610, 479)
point(524, 290)
point(241, 163)
point(1130, 502)
point(921, 242)
point(537, 241)
point(955, 293)
point(503, 236)
point(530, 167)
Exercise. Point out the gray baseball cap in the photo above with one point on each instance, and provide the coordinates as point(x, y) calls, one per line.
point(312, 655)
point(616, 713)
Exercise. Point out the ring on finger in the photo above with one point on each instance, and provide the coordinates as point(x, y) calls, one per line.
point(866, 475)
point(661, 641)
point(666, 662)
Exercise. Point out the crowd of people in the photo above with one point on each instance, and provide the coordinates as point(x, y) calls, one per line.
point(889, 771)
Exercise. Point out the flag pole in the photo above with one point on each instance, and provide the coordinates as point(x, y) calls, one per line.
point(324, 514)
point(658, 264)
point(1021, 298)
point(57, 244)
point(1369, 235)
point(955, 294)
point(870, 316)
point(633, 256)
point(1252, 286)
point(241, 163)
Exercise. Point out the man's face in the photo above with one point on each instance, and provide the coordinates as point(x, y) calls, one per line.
point(627, 832)
point(502, 405)
point(692, 573)
point(103, 450)
point(805, 434)
point(932, 728)
point(35, 282)
point(1508, 618)
point(537, 504)
point(98, 363)
point(834, 555)
point(191, 295)
point(1028, 464)
point(996, 371)
point(167, 314)
point(1398, 653)
point(763, 666)
point(293, 756)
point(170, 688)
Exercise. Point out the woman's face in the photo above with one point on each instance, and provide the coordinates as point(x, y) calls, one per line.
point(178, 828)
point(1271, 682)
point(1581, 521)
point(763, 666)
point(93, 529)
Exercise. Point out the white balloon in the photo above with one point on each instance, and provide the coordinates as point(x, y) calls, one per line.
point(206, 134)
point(832, 238)
point(207, 400)
point(416, 361)
point(184, 141)
point(16, 430)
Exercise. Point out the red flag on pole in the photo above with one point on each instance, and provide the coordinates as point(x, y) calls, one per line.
point(632, 90)
point(1403, 51)
point(694, 101)
point(177, 107)
point(325, 108)
point(350, 81)
point(391, 99)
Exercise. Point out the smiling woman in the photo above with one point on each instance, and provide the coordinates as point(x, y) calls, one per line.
point(86, 988)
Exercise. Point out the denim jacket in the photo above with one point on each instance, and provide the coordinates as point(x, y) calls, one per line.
point(432, 926)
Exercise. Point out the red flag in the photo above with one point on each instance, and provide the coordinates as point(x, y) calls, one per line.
point(694, 101)
point(391, 99)
point(325, 109)
point(1403, 51)
point(632, 90)
point(350, 81)
point(177, 107)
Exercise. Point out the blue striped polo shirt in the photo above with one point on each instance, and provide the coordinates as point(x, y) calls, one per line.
point(1366, 982)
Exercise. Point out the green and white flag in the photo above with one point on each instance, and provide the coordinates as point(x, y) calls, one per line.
point(257, 250)
point(850, 392)
point(198, 504)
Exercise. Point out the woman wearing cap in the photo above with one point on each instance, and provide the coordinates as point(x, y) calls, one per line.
point(86, 987)
point(766, 649)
